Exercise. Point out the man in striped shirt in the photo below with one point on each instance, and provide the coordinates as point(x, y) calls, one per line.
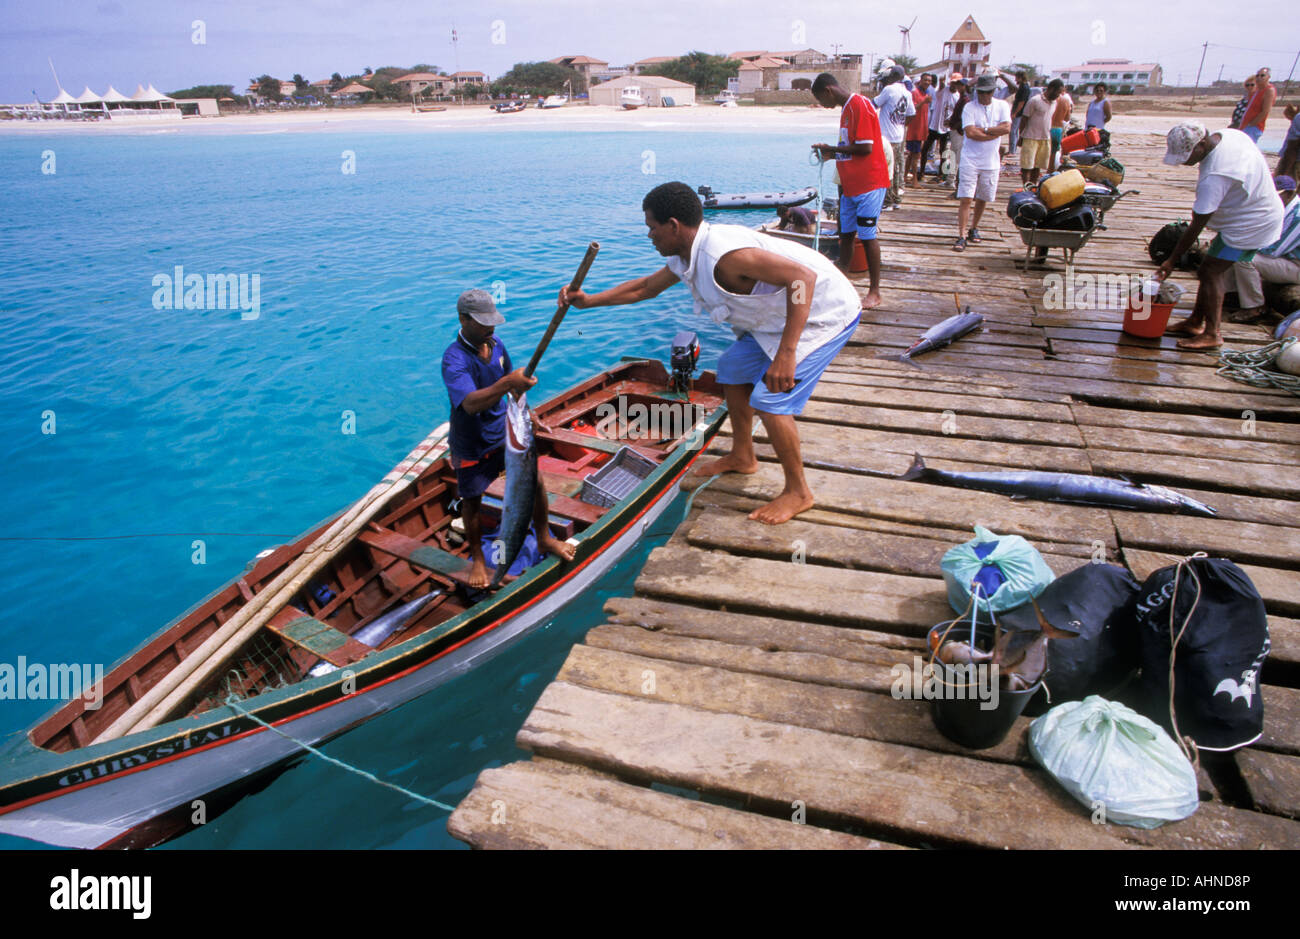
point(1279, 263)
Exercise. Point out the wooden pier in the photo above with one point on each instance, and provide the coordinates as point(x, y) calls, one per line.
point(745, 688)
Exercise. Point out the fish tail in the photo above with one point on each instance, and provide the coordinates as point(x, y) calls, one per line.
point(1053, 632)
point(916, 470)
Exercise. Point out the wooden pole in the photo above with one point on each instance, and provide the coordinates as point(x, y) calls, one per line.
point(1204, 48)
point(562, 308)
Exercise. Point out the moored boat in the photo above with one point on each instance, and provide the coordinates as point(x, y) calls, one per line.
point(631, 98)
point(509, 107)
point(754, 200)
point(366, 611)
point(726, 99)
point(828, 243)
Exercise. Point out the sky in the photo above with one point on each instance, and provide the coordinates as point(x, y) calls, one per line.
point(126, 42)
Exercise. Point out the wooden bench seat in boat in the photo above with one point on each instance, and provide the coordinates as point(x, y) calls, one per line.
point(320, 639)
point(557, 504)
point(421, 555)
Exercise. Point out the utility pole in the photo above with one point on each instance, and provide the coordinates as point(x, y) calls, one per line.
point(1220, 78)
point(1204, 47)
point(1287, 89)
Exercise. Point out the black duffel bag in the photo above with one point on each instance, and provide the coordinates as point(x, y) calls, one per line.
point(1025, 208)
point(1077, 216)
point(1219, 642)
point(1094, 601)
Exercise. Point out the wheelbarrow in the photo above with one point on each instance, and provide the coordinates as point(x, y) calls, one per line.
point(1042, 239)
point(1102, 203)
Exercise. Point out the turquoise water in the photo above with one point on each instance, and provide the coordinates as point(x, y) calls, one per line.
point(179, 424)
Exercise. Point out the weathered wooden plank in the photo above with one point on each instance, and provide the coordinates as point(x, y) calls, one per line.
point(938, 506)
point(1281, 720)
point(935, 420)
point(530, 805)
point(817, 543)
point(1236, 449)
point(881, 396)
point(1242, 428)
point(891, 602)
point(1265, 479)
point(1249, 542)
point(765, 696)
point(1273, 781)
point(915, 795)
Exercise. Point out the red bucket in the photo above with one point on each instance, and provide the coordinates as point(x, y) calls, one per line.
point(1148, 323)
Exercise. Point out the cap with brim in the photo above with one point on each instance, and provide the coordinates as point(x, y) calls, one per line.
point(477, 305)
point(956, 77)
point(986, 83)
point(1283, 183)
point(1182, 140)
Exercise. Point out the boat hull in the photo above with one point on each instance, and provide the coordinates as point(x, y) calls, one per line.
point(111, 794)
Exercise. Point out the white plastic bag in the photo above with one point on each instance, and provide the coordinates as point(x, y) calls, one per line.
point(1110, 757)
point(1020, 568)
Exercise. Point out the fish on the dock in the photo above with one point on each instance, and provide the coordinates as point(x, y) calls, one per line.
point(521, 486)
point(1076, 488)
point(1021, 654)
point(940, 334)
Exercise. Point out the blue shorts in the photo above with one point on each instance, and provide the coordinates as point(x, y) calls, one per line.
point(474, 476)
point(1254, 133)
point(913, 146)
point(1057, 134)
point(864, 210)
point(745, 363)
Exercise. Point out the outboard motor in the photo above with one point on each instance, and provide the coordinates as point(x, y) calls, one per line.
point(685, 355)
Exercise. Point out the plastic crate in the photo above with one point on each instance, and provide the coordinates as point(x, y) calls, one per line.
point(617, 478)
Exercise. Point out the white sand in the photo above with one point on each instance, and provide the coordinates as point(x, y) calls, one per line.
point(702, 117)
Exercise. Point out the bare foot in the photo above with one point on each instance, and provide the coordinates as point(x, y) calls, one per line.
point(561, 549)
point(872, 299)
point(1190, 326)
point(783, 508)
point(478, 575)
point(1248, 315)
point(1203, 341)
point(727, 464)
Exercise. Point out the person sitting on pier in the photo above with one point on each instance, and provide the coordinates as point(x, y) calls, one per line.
point(1236, 196)
point(477, 372)
point(1279, 263)
point(791, 309)
point(798, 220)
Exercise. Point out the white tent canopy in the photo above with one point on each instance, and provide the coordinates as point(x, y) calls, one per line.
point(152, 94)
point(64, 98)
point(113, 96)
point(88, 97)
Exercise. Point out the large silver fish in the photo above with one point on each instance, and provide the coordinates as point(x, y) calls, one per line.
point(940, 334)
point(1066, 487)
point(521, 486)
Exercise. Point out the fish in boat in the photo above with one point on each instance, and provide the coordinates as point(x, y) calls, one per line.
point(1075, 488)
point(379, 591)
point(940, 334)
point(521, 486)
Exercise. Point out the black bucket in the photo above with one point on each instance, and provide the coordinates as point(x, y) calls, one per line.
point(962, 719)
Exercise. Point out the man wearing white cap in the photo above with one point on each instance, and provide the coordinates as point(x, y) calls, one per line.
point(1234, 196)
point(478, 374)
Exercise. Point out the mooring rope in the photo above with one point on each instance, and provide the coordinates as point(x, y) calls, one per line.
point(1254, 367)
point(234, 703)
point(1186, 743)
point(816, 157)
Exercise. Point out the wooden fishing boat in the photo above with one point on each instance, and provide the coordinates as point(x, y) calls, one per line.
point(828, 244)
point(295, 660)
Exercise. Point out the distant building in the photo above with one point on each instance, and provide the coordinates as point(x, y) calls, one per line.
point(803, 58)
point(584, 65)
point(654, 89)
point(1122, 76)
point(761, 72)
point(967, 52)
point(640, 66)
point(475, 79)
point(797, 68)
point(424, 83)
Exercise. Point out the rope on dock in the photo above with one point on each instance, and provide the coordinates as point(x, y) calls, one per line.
point(1254, 367)
point(234, 703)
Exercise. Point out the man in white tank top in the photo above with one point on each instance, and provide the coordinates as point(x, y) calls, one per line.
point(791, 309)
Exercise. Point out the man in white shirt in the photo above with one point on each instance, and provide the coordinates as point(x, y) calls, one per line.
point(791, 309)
point(984, 122)
point(1235, 196)
point(945, 99)
point(894, 104)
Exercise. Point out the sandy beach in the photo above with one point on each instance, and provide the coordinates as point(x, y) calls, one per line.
point(703, 117)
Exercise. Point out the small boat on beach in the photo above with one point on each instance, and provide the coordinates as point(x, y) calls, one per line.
point(556, 101)
point(509, 107)
point(755, 200)
point(726, 99)
point(631, 98)
point(368, 610)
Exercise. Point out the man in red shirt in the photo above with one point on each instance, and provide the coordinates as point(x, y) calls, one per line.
point(918, 126)
point(860, 161)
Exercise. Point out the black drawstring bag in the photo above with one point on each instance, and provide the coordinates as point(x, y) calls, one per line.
point(1219, 641)
point(1093, 600)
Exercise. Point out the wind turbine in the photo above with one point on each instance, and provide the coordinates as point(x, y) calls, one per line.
point(907, 36)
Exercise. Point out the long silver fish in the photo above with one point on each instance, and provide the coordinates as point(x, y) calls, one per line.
point(521, 486)
point(940, 334)
point(379, 630)
point(1066, 487)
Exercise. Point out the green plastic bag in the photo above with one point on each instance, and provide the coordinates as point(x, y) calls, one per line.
point(1114, 760)
point(1007, 567)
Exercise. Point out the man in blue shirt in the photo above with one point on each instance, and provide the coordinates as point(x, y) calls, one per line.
point(478, 374)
